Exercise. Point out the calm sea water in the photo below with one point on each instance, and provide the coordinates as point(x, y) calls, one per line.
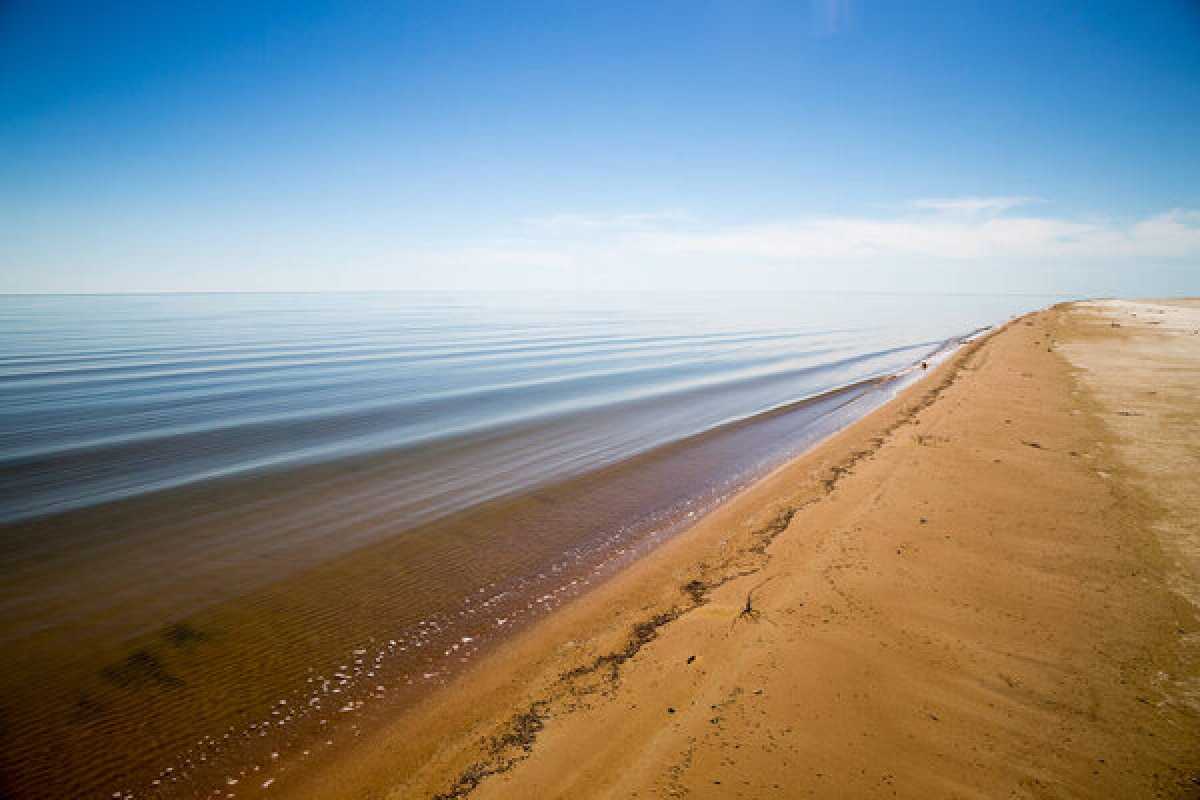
point(104, 397)
point(236, 530)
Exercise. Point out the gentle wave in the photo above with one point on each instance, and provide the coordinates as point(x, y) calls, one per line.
point(175, 389)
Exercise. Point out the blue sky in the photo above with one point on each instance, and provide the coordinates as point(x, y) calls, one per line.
point(841, 144)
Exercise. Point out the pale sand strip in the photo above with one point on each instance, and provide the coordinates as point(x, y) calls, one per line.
point(964, 595)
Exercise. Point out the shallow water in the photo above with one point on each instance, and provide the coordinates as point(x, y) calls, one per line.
point(215, 503)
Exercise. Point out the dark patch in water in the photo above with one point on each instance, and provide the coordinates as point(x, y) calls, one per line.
point(140, 670)
point(181, 634)
point(86, 709)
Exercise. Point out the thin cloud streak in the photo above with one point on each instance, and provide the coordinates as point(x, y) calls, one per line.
point(831, 17)
point(1170, 235)
point(577, 223)
point(1022, 253)
point(974, 205)
point(973, 237)
point(670, 250)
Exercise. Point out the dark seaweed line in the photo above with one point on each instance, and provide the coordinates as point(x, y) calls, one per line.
point(515, 743)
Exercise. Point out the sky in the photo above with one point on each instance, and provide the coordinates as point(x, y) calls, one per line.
point(733, 144)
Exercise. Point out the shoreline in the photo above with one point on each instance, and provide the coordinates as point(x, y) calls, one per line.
point(238, 663)
point(516, 720)
point(530, 654)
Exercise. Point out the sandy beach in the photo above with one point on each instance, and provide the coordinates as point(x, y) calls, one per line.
point(436, 401)
point(984, 589)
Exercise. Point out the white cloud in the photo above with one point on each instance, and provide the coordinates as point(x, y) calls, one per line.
point(971, 251)
point(580, 223)
point(974, 205)
point(921, 248)
point(1174, 234)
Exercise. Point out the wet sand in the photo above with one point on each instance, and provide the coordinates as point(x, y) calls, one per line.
point(985, 589)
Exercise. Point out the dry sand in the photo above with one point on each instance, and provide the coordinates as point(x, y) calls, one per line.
point(984, 589)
